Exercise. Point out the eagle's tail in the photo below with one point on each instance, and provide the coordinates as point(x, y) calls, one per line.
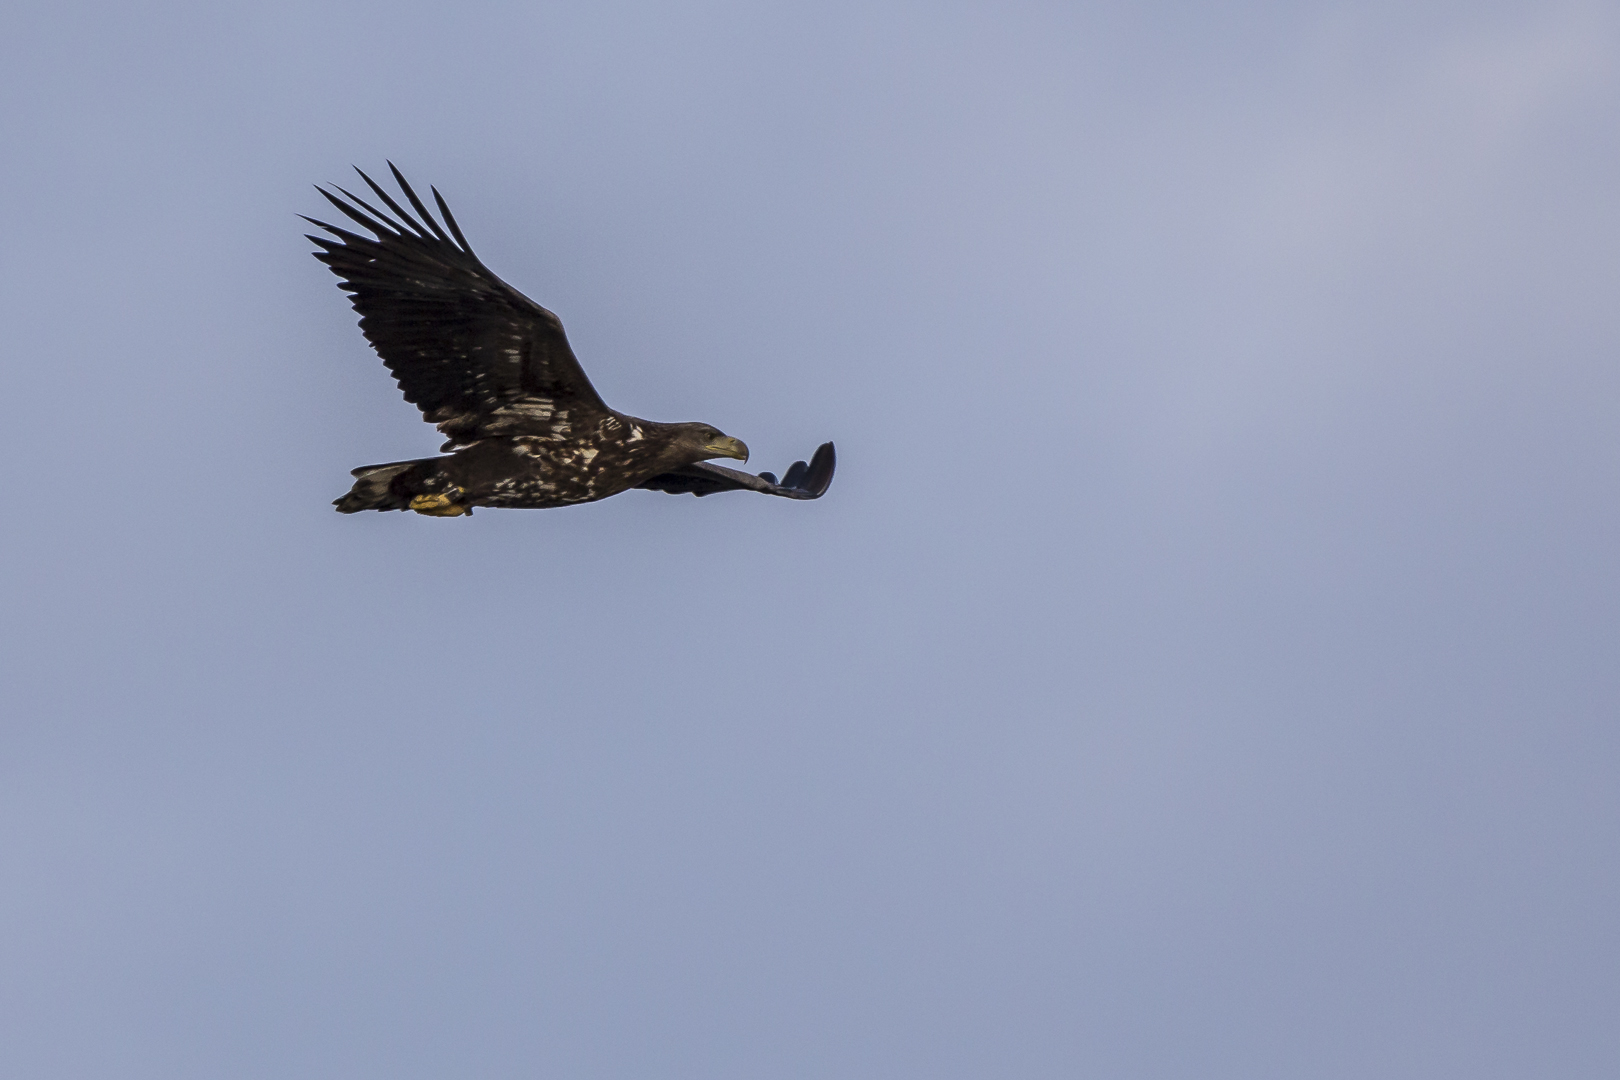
point(378, 487)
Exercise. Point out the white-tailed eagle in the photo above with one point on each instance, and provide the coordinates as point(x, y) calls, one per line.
point(492, 368)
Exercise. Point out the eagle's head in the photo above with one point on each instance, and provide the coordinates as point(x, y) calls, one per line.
point(704, 441)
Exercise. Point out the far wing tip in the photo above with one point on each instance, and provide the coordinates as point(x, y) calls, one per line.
point(823, 463)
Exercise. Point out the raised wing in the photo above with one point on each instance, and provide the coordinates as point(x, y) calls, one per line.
point(475, 355)
point(802, 481)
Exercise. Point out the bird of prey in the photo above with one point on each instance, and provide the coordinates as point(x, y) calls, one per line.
point(492, 368)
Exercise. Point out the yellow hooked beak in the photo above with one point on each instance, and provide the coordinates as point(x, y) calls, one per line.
point(726, 446)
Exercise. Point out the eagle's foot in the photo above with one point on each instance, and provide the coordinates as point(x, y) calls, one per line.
point(444, 505)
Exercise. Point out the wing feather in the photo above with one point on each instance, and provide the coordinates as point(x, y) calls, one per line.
point(475, 355)
point(450, 220)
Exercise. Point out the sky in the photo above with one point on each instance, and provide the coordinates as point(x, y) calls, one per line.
point(1203, 665)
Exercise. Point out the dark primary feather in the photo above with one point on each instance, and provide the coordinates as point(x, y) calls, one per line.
point(475, 355)
point(802, 481)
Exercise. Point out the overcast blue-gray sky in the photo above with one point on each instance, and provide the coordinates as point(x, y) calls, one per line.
point(1204, 664)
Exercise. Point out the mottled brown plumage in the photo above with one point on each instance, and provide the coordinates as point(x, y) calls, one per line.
point(493, 370)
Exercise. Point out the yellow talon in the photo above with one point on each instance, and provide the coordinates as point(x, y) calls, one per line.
point(437, 506)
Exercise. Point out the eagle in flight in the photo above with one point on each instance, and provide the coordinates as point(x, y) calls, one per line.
point(492, 368)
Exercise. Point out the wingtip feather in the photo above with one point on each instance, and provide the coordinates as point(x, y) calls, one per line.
point(450, 220)
point(410, 193)
point(392, 205)
point(823, 463)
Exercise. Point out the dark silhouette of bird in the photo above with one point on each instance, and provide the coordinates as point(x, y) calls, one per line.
point(492, 368)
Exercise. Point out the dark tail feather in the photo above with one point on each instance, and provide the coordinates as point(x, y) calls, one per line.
point(375, 489)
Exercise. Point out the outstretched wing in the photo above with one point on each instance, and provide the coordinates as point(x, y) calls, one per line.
point(475, 355)
point(801, 481)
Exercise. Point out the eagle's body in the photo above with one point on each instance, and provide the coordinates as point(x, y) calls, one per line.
point(494, 371)
point(525, 471)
